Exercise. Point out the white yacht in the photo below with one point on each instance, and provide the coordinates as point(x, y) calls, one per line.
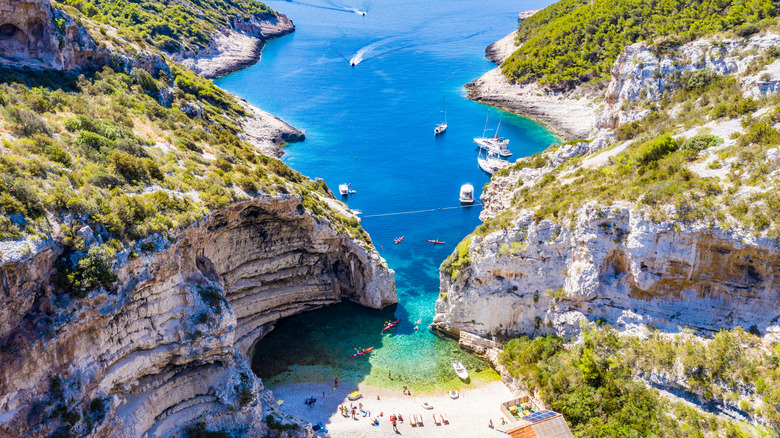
point(441, 127)
point(499, 144)
point(490, 162)
point(344, 189)
point(467, 194)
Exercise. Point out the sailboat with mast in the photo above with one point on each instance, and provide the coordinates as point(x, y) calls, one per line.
point(441, 127)
point(499, 145)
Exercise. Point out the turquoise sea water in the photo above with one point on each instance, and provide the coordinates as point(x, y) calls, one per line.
point(372, 126)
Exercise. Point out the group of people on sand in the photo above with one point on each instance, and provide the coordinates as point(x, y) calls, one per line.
point(358, 411)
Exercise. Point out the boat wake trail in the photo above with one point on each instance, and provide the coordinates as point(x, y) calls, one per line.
point(360, 54)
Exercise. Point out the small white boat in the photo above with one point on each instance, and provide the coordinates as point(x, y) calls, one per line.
point(454, 394)
point(426, 405)
point(344, 189)
point(460, 370)
point(467, 194)
point(355, 396)
point(441, 127)
point(490, 163)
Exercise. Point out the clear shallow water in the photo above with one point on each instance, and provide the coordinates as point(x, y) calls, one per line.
point(372, 126)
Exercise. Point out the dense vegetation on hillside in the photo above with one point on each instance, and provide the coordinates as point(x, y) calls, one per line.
point(575, 41)
point(594, 383)
point(169, 25)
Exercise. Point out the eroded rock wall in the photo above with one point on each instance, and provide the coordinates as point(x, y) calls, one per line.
point(168, 347)
point(611, 264)
point(35, 35)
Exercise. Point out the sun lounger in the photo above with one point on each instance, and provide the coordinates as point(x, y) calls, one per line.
point(445, 419)
point(436, 420)
point(412, 420)
point(419, 420)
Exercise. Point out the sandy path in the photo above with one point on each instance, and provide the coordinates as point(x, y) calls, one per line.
point(468, 415)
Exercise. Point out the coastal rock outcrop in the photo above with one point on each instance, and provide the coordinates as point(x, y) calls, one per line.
point(612, 264)
point(236, 47)
point(35, 35)
point(167, 347)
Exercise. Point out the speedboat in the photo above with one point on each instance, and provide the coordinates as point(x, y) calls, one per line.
point(362, 352)
point(436, 241)
point(390, 325)
point(344, 189)
point(441, 127)
point(399, 240)
point(460, 370)
point(467, 194)
point(490, 163)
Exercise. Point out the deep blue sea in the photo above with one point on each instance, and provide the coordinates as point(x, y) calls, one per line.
point(371, 125)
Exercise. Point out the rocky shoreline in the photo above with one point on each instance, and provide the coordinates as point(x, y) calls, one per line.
point(571, 117)
point(235, 48)
point(267, 132)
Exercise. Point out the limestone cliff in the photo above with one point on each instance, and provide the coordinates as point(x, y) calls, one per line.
point(167, 348)
point(616, 261)
point(612, 264)
point(236, 47)
point(35, 35)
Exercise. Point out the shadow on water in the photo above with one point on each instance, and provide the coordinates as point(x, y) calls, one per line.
point(317, 345)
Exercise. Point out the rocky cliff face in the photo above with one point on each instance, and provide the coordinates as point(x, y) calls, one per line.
point(236, 47)
point(611, 262)
point(34, 35)
point(168, 347)
point(615, 265)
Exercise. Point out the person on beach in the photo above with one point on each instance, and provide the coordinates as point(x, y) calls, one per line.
point(399, 377)
point(389, 375)
point(400, 418)
point(336, 382)
point(360, 406)
point(392, 421)
point(490, 425)
point(354, 411)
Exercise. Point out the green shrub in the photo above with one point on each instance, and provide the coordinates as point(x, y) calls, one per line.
point(211, 296)
point(574, 41)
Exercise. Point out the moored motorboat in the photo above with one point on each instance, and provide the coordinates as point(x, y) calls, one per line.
point(399, 240)
point(454, 394)
point(460, 370)
point(390, 325)
point(467, 194)
point(354, 396)
point(344, 189)
point(363, 351)
point(436, 241)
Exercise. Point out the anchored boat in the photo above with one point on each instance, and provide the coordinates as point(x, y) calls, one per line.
point(490, 162)
point(441, 127)
point(467, 194)
point(460, 370)
point(499, 145)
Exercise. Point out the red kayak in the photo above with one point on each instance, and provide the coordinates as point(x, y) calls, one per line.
point(362, 352)
point(399, 240)
point(391, 324)
point(436, 242)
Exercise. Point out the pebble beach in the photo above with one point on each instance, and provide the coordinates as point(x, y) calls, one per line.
point(469, 414)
